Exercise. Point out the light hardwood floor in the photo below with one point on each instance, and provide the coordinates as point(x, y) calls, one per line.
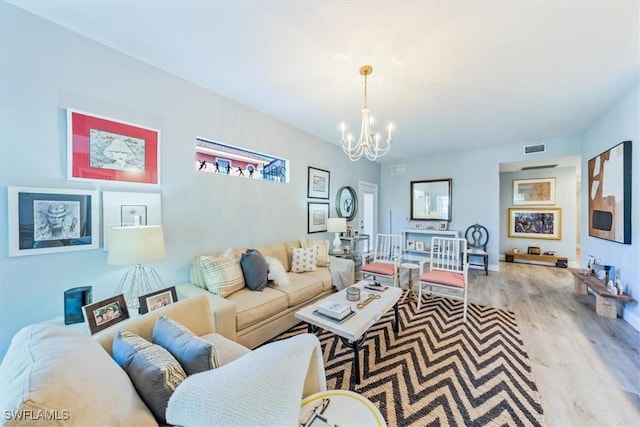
point(587, 367)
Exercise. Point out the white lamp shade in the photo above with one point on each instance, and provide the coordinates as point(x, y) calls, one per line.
point(135, 245)
point(336, 225)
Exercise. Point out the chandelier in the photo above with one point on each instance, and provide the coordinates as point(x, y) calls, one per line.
point(369, 143)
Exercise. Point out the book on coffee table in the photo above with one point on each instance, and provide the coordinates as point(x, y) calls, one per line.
point(333, 309)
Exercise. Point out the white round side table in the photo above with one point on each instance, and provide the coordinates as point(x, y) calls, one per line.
point(410, 267)
point(341, 408)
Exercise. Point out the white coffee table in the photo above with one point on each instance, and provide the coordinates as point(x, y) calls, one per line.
point(353, 331)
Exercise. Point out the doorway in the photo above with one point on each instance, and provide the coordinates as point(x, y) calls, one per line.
point(368, 208)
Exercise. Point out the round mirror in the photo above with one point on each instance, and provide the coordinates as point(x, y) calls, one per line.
point(347, 203)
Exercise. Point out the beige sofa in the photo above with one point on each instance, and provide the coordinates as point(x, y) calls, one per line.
point(253, 317)
point(57, 375)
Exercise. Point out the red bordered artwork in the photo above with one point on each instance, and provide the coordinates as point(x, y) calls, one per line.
point(103, 149)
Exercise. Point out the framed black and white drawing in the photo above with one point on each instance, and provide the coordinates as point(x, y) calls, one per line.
point(46, 220)
point(317, 217)
point(120, 209)
point(318, 183)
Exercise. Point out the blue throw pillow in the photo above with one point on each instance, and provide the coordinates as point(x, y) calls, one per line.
point(254, 269)
point(194, 354)
point(153, 370)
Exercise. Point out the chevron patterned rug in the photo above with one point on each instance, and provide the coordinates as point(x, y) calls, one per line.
point(439, 371)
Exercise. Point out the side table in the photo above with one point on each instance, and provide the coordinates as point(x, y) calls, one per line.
point(410, 267)
point(339, 408)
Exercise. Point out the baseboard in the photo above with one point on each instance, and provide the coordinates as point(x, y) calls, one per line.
point(631, 318)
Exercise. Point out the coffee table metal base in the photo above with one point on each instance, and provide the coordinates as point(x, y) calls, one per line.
point(357, 344)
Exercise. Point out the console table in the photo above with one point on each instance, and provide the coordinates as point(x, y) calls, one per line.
point(606, 302)
point(511, 256)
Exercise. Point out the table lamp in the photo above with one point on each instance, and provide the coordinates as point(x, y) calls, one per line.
point(337, 226)
point(135, 246)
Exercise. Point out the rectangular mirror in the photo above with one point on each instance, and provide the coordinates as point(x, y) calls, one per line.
point(431, 199)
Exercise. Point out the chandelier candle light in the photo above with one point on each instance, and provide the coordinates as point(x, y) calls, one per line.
point(369, 142)
point(134, 246)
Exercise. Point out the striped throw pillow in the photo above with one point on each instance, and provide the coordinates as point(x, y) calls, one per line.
point(222, 274)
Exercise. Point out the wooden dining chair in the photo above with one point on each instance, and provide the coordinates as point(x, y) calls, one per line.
point(386, 260)
point(447, 275)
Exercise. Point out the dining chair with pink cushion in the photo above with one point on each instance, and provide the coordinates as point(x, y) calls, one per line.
point(387, 257)
point(447, 275)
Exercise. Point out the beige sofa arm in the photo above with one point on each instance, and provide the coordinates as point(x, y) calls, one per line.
point(193, 313)
point(224, 311)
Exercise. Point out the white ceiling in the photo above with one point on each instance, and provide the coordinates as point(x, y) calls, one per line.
point(450, 75)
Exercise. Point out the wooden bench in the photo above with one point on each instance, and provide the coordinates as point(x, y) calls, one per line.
point(606, 302)
point(511, 256)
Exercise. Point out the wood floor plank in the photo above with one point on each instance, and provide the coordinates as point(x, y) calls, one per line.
point(587, 367)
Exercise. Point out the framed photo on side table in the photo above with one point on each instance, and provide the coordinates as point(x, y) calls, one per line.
point(105, 313)
point(154, 300)
point(317, 217)
point(103, 149)
point(48, 220)
point(318, 183)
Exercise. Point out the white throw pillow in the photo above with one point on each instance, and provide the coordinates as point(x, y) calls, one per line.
point(323, 249)
point(304, 259)
point(277, 273)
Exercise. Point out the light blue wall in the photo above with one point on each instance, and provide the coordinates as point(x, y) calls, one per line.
point(45, 69)
point(565, 199)
point(621, 123)
point(477, 191)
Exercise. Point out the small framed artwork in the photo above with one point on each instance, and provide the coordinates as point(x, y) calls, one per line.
point(418, 225)
point(317, 217)
point(420, 246)
point(411, 245)
point(318, 183)
point(103, 149)
point(105, 313)
point(154, 300)
point(535, 223)
point(540, 191)
point(46, 220)
point(120, 209)
point(443, 225)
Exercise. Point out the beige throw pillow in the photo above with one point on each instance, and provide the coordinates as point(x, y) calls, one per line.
point(323, 250)
point(222, 274)
point(304, 259)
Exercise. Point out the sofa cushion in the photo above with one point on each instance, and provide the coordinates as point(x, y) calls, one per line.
point(254, 307)
point(194, 354)
point(323, 275)
point(277, 251)
point(254, 269)
point(304, 259)
point(152, 369)
point(302, 288)
point(228, 350)
point(323, 250)
point(54, 368)
point(222, 274)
